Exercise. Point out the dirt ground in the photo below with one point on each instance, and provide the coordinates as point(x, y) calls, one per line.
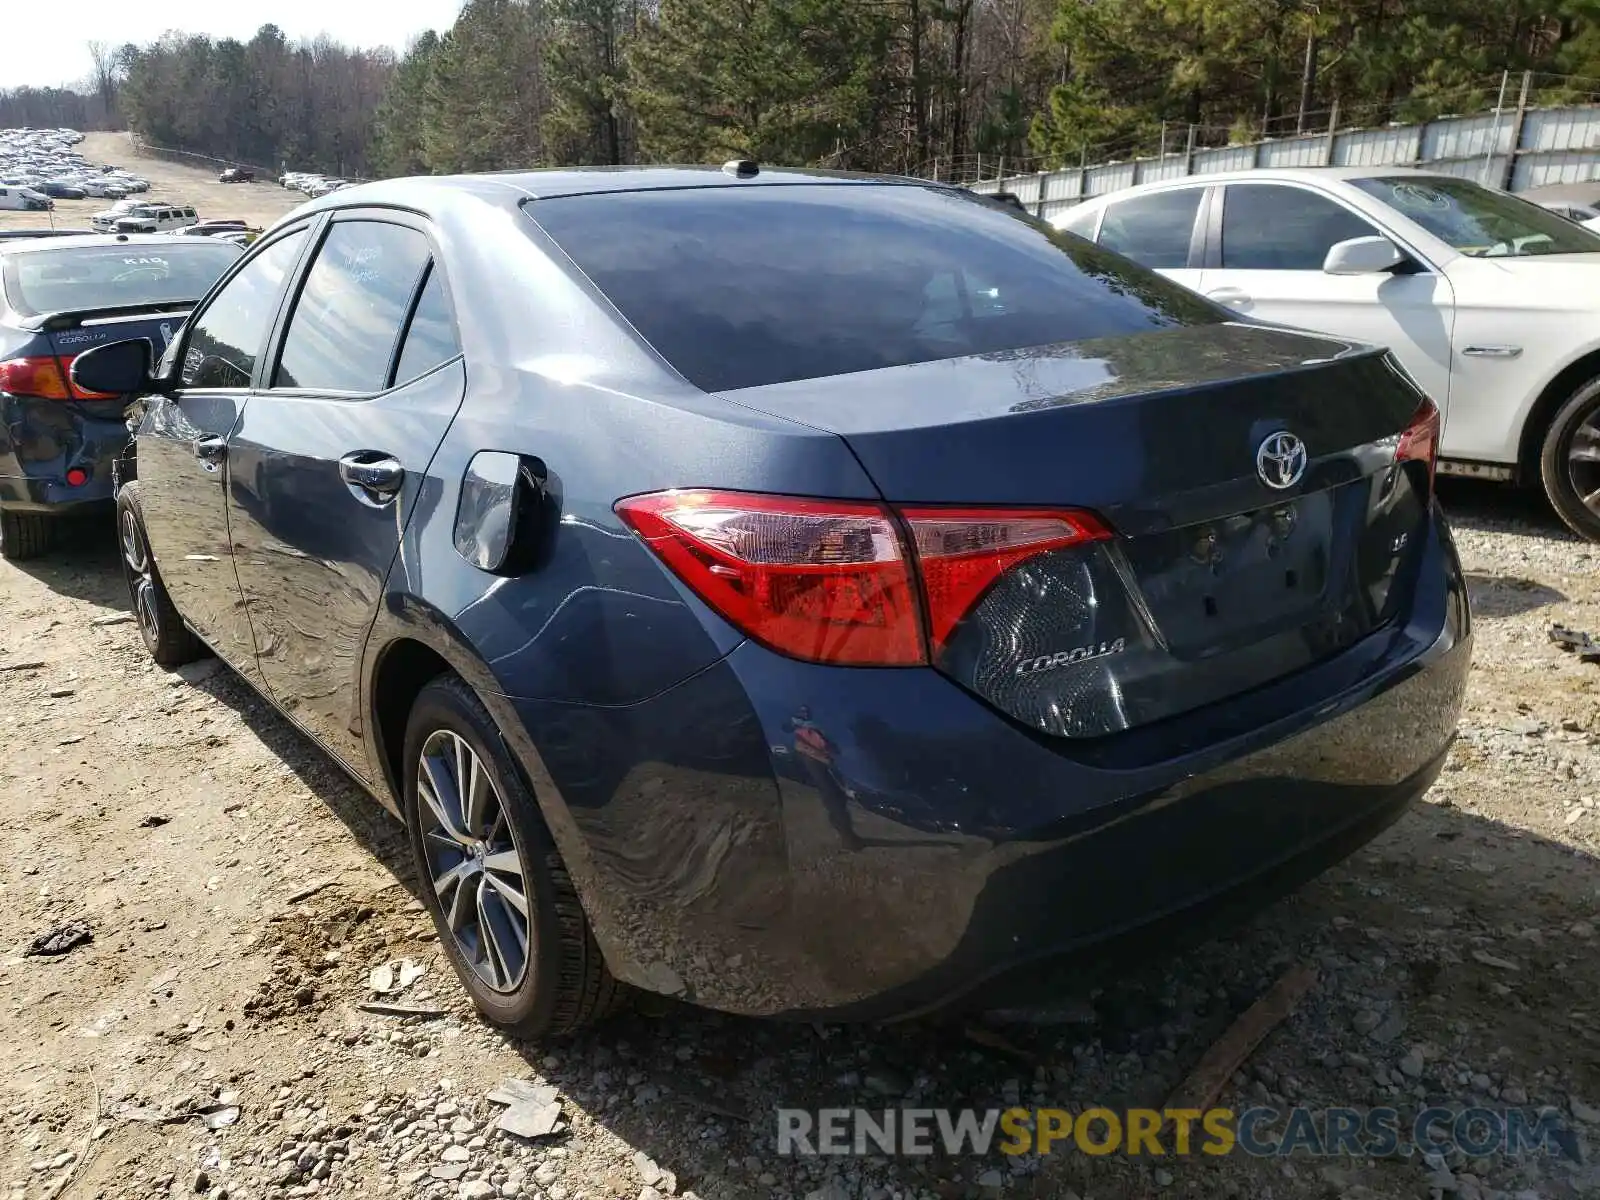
point(240, 891)
point(258, 204)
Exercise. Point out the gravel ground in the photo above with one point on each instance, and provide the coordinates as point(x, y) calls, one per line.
point(240, 891)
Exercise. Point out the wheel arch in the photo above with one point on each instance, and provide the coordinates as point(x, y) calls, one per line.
point(412, 643)
point(1553, 395)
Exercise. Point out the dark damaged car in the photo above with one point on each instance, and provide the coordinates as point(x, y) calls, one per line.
point(60, 296)
point(807, 595)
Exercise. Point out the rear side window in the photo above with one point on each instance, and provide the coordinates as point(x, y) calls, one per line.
point(1266, 227)
point(742, 287)
point(226, 337)
point(431, 336)
point(347, 319)
point(1154, 230)
point(90, 277)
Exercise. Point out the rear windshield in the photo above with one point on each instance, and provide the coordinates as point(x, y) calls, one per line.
point(740, 287)
point(88, 277)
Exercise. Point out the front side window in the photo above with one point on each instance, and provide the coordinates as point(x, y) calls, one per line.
point(1266, 227)
point(347, 320)
point(226, 338)
point(742, 287)
point(1153, 230)
point(1477, 221)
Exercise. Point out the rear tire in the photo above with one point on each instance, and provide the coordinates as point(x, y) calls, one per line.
point(557, 982)
point(171, 643)
point(25, 535)
point(1569, 464)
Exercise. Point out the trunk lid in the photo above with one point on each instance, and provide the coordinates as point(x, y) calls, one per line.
point(70, 334)
point(1214, 581)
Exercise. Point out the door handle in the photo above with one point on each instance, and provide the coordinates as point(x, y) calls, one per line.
point(1231, 296)
point(372, 471)
point(210, 451)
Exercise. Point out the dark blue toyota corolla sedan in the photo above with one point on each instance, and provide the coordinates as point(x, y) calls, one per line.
point(803, 594)
point(59, 296)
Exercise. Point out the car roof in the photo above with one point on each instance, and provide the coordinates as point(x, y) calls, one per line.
point(510, 187)
point(1279, 175)
point(29, 245)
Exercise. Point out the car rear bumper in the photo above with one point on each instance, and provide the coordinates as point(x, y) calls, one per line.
point(777, 838)
point(41, 440)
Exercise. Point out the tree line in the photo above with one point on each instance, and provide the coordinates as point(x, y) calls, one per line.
point(902, 85)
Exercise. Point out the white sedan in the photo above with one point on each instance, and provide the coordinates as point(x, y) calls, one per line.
point(1491, 303)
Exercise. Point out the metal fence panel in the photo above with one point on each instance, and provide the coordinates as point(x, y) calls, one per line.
point(1377, 147)
point(1559, 166)
point(1294, 152)
point(1152, 169)
point(1227, 158)
point(1062, 185)
point(1487, 171)
point(1562, 129)
point(1110, 178)
point(1557, 145)
point(1467, 137)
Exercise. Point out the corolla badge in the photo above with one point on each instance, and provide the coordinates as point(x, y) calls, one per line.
point(1281, 460)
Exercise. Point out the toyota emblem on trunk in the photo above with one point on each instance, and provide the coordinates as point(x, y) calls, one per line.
point(1281, 460)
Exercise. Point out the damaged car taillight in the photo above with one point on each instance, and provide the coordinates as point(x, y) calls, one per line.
point(835, 580)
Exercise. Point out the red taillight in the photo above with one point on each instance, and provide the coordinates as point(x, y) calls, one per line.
point(1420, 441)
point(41, 377)
point(44, 378)
point(825, 580)
point(960, 552)
point(832, 580)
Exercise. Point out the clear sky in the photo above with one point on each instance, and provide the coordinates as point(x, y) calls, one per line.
point(44, 49)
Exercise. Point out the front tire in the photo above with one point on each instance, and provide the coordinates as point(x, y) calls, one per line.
point(507, 913)
point(25, 535)
point(1569, 464)
point(171, 643)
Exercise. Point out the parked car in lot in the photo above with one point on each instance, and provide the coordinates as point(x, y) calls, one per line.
point(156, 218)
point(237, 175)
point(58, 297)
point(1486, 299)
point(23, 199)
point(849, 578)
point(58, 189)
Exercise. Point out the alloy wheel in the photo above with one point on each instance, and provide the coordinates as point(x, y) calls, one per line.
point(1583, 461)
point(474, 863)
point(137, 559)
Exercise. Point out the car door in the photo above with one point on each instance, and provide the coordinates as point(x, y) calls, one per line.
point(182, 442)
point(325, 466)
point(1265, 260)
point(1158, 230)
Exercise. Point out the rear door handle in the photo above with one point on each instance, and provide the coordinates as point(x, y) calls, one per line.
point(210, 451)
point(372, 471)
point(1231, 296)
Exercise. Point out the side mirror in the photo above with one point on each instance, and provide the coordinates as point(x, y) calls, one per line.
point(115, 369)
point(1362, 256)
